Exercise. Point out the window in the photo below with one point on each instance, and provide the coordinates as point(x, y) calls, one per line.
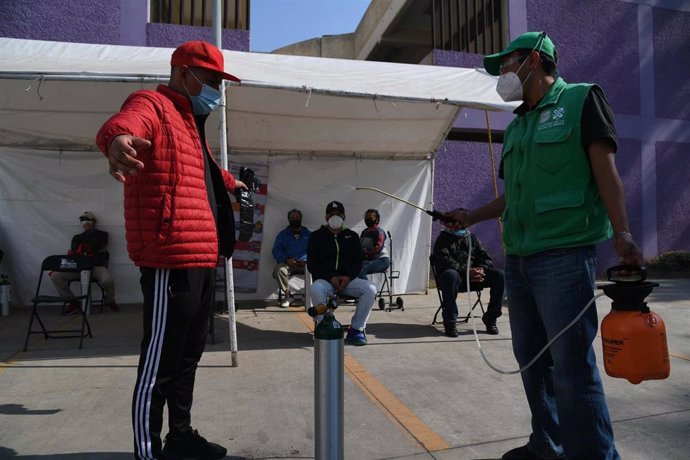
point(198, 13)
point(472, 26)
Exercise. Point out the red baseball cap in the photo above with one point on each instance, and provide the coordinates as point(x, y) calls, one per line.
point(201, 54)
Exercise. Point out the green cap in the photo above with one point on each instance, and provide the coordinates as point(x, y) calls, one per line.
point(526, 41)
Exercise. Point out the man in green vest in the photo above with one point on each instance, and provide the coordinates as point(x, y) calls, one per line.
point(562, 195)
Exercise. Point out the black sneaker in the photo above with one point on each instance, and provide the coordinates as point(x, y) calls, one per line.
point(490, 324)
point(450, 330)
point(191, 445)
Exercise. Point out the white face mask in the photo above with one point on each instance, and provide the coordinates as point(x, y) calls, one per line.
point(509, 87)
point(335, 222)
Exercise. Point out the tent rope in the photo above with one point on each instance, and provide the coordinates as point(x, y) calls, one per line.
point(493, 166)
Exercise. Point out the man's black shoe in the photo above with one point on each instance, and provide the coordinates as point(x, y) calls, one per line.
point(490, 324)
point(191, 445)
point(450, 330)
point(523, 453)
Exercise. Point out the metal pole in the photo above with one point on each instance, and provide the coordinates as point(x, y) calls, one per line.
point(307, 288)
point(216, 27)
point(328, 388)
point(230, 290)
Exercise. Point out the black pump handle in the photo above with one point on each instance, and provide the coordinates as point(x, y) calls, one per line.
point(627, 273)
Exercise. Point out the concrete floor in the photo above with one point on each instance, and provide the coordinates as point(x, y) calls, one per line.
point(411, 394)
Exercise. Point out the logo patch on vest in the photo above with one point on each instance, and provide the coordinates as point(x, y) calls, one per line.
point(551, 118)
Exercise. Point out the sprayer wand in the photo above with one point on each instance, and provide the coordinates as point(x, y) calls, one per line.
point(433, 213)
point(438, 215)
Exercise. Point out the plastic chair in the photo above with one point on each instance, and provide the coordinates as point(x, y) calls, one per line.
point(69, 264)
point(474, 287)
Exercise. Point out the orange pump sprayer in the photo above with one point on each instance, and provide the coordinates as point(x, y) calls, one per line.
point(633, 336)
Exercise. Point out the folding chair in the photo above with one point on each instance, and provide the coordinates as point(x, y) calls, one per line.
point(387, 285)
point(474, 287)
point(297, 284)
point(60, 263)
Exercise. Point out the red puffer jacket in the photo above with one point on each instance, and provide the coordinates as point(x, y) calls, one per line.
point(168, 219)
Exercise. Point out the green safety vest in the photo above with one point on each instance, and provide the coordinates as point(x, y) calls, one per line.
point(552, 200)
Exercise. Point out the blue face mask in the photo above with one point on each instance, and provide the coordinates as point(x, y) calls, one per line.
point(207, 101)
point(461, 232)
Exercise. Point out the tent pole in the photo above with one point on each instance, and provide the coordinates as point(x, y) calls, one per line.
point(493, 167)
point(229, 282)
point(427, 254)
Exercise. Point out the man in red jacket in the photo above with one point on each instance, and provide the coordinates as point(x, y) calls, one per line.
point(178, 218)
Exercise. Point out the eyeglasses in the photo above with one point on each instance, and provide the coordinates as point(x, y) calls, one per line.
point(85, 219)
point(509, 62)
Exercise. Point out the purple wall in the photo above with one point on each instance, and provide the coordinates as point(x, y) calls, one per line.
point(672, 63)
point(462, 178)
point(673, 209)
point(170, 36)
point(594, 44)
point(629, 164)
point(116, 22)
point(59, 21)
point(454, 59)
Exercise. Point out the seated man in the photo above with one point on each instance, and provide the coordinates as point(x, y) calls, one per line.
point(373, 241)
point(91, 242)
point(334, 258)
point(290, 253)
point(450, 263)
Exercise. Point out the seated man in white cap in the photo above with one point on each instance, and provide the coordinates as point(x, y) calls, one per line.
point(93, 243)
point(334, 258)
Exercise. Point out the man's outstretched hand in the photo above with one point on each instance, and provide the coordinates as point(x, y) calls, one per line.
point(122, 156)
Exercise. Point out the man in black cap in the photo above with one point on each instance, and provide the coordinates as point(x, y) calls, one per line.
point(334, 258)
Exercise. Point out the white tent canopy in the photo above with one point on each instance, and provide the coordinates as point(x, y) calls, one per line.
point(320, 125)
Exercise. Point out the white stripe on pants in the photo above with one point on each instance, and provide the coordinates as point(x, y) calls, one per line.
point(142, 438)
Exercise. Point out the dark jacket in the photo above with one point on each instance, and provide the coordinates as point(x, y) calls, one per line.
point(91, 243)
point(450, 251)
point(331, 255)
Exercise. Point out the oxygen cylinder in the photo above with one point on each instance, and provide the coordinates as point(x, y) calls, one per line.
point(633, 337)
point(329, 386)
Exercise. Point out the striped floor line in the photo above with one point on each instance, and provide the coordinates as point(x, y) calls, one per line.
point(387, 402)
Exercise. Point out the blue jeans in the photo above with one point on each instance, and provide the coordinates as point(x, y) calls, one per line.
point(563, 388)
point(364, 291)
point(379, 265)
point(451, 282)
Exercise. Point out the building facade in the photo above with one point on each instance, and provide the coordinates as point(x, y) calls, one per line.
point(160, 23)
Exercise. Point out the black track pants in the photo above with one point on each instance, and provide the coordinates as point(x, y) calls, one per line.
point(177, 305)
